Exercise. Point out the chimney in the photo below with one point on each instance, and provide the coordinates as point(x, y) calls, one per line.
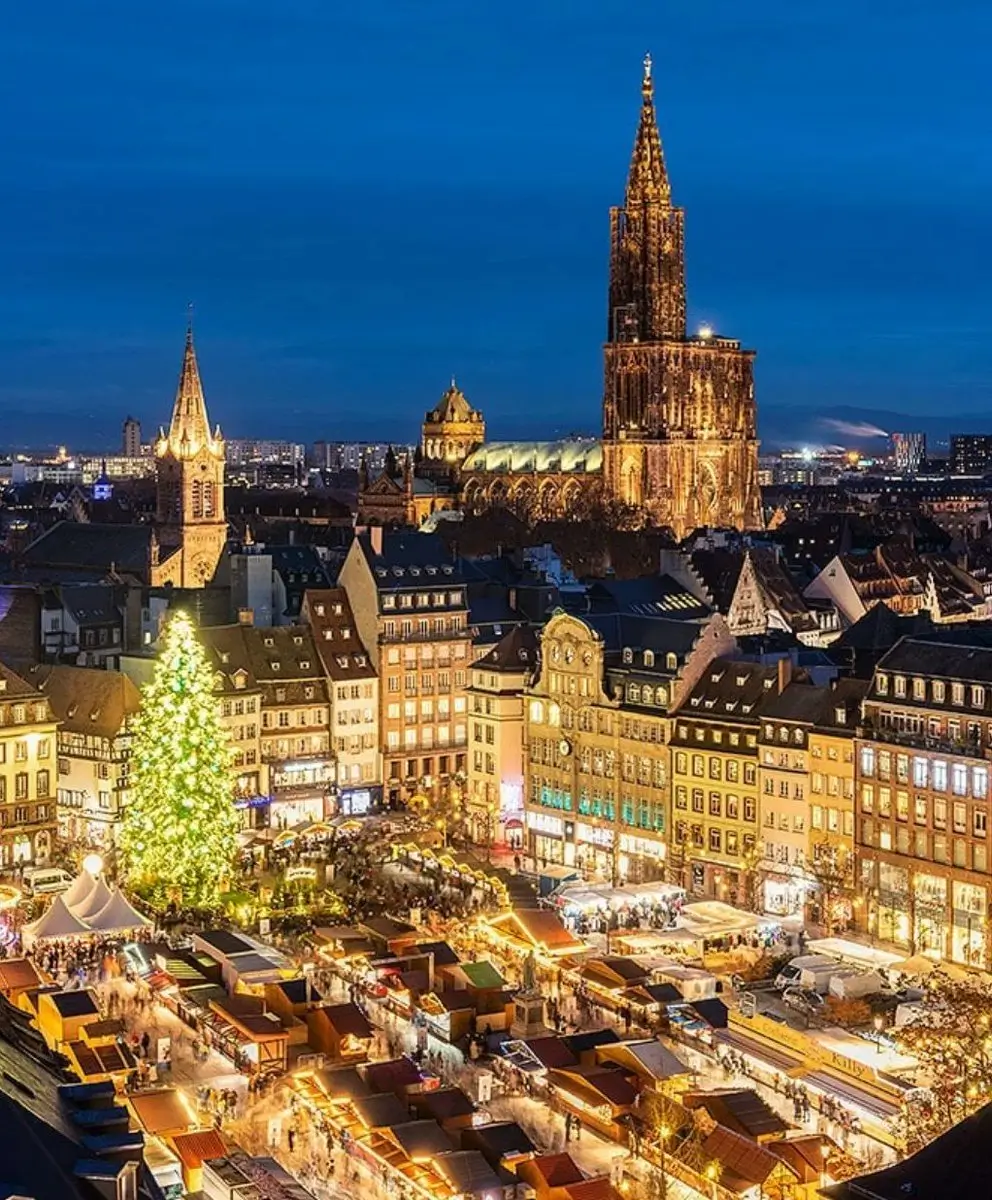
point(784, 673)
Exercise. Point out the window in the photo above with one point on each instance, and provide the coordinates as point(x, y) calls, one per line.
point(716, 804)
point(899, 685)
point(957, 693)
point(980, 782)
point(920, 772)
point(939, 691)
point(939, 814)
point(919, 689)
point(939, 776)
point(867, 760)
point(980, 826)
point(715, 840)
point(43, 782)
point(977, 696)
point(959, 779)
point(867, 798)
point(882, 685)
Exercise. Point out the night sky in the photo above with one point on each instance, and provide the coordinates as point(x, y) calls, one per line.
point(363, 199)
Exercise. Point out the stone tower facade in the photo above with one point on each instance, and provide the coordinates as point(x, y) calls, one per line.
point(679, 431)
point(189, 471)
point(450, 432)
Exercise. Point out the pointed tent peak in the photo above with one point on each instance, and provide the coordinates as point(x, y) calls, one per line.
point(648, 176)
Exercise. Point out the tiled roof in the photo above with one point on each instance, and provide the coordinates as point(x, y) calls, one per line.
point(328, 613)
point(87, 700)
point(515, 651)
point(731, 690)
point(93, 547)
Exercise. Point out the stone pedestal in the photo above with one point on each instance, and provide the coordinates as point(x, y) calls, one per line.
point(528, 1015)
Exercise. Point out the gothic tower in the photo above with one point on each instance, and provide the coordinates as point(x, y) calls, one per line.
point(189, 472)
point(679, 437)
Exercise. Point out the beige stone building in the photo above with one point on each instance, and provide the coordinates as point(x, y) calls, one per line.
point(27, 772)
point(411, 610)
point(353, 690)
point(495, 804)
point(94, 709)
point(596, 736)
point(922, 797)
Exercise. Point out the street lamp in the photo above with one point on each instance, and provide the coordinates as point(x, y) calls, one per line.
point(93, 865)
point(879, 1023)
point(664, 1133)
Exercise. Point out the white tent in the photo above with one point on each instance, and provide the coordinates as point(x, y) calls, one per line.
point(79, 890)
point(97, 899)
point(56, 922)
point(118, 915)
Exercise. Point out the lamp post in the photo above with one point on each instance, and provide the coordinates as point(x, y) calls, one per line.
point(664, 1133)
point(879, 1023)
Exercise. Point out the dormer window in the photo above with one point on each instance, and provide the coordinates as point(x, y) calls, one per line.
point(671, 662)
point(342, 660)
point(328, 635)
point(628, 655)
point(275, 665)
point(308, 693)
point(840, 715)
point(268, 641)
point(337, 610)
point(882, 685)
point(304, 664)
point(899, 686)
point(649, 658)
point(297, 640)
point(319, 609)
point(225, 657)
point(346, 633)
point(360, 660)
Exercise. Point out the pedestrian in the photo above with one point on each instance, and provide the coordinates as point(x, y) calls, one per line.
point(291, 1138)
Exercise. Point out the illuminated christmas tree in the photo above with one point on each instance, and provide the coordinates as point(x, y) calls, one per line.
point(179, 830)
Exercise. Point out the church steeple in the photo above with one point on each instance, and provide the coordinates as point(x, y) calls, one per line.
point(189, 428)
point(648, 178)
point(647, 271)
point(189, 473)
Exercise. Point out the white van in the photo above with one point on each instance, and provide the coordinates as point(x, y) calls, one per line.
point(42, 881)
point(791, 974)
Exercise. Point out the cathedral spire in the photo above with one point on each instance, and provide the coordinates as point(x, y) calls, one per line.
point(647, 179)
point(189, 425)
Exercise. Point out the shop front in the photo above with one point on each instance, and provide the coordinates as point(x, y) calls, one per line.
point(969, 942)
point(301, 790)
point(785, 895)
point(357, 801)
point(890, 919)
point(546, 834)
point(930, 915)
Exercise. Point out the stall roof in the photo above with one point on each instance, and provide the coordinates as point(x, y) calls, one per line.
point(739, 1109)
point(381, 1110)
point(195, 1148)
point(481, 975)
point(421, 1139)
point(162, 1111)
point(538, 929)
point(117, 915)
point(391, 1074)
point(468, 1173)
point(594, 1085)
point(714, 919)
point(444, 1104)
point(646, 1057)
point(346, 1019)
point(18, 973)
point(225, 942)
point(340, 1082)
point(57, 921)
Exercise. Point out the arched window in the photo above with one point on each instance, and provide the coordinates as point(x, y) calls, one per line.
point(671, 662)
point(648, 695)
point(197, 498)
point(634, 694)
point(649, 658)
point(208, 499)
point(628, 655)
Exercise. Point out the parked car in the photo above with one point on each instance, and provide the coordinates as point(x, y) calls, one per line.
point(43, 881)
point(803, 1000)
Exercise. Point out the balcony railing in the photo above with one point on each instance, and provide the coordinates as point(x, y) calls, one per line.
point(923, 739)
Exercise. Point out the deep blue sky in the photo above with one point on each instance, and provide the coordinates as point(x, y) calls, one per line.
point(364, 198)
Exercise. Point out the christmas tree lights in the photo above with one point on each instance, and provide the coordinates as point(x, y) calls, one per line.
point(179, 830)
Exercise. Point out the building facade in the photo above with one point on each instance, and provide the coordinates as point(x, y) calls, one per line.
point(353, 688)
point(28, 765)
point(239, 702)
point(95, 709)
point(189, 472)
point(597, 764)
point(715, 807)
point(408, 596)
point(922, 782)
point(495, 800)
point(679, 420)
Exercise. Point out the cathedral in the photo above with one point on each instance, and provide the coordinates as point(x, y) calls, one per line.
point(679, 445)
point(191, 528)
